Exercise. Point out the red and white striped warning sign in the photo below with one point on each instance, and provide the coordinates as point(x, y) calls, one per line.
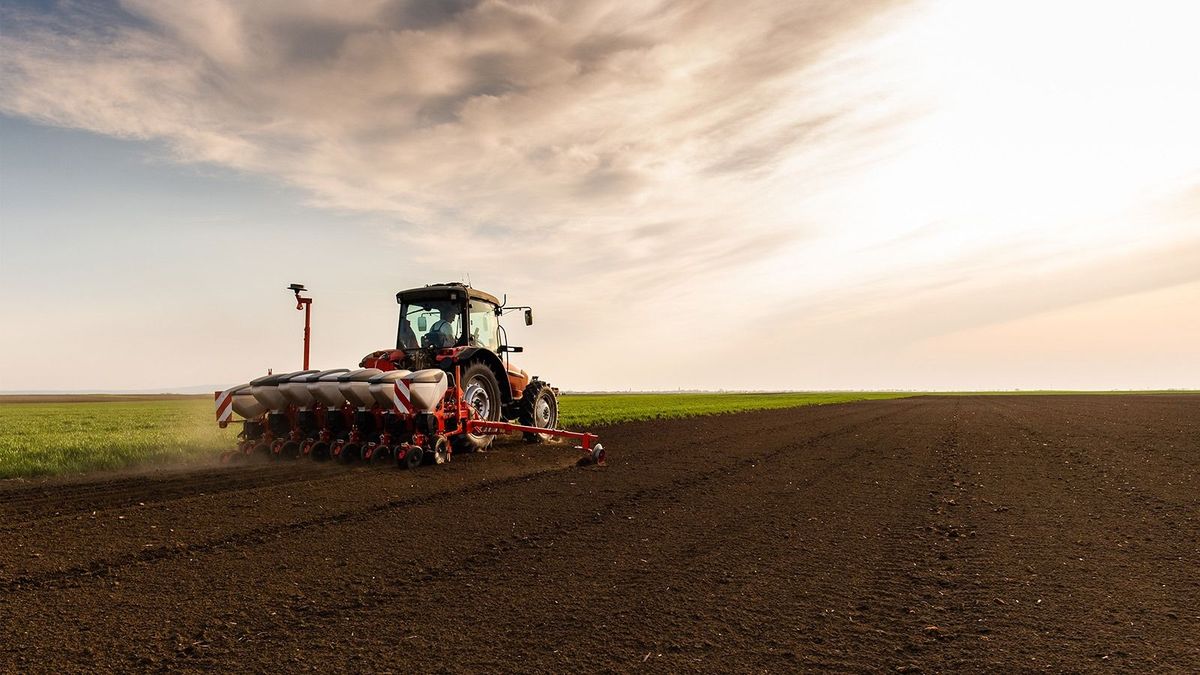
point(401, 397)
point(224, 403)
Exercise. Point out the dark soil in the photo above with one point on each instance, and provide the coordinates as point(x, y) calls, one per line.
point(925, 534)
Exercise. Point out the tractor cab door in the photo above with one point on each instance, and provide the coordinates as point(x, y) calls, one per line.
point(485, 334)
point(485, 329)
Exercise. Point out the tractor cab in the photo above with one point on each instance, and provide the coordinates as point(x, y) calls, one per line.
point(445, 316)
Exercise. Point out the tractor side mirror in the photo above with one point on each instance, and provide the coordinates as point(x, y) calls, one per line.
point(510, 348)
point(529, 317)
point(422, 324)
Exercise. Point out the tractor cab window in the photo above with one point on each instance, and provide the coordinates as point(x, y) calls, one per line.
point(429, 324)
point(485, 331)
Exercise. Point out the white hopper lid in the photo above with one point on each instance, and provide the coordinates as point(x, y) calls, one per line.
point(320, 375)
point(391, 376)
point(428, 375)
point(360, 375)
point(270, 380)
point(267, 379)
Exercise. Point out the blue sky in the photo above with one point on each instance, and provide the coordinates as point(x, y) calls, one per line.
point(883, 194)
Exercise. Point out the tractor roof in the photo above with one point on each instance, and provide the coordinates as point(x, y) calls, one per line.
point(434, 291)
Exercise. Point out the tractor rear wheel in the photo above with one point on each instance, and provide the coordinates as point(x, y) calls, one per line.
point(481, 392)
point(539, 408)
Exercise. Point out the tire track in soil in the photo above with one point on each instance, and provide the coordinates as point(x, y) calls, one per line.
point(906, 584)
point(100, 568)
point(25, 505)
point(1066, 546)
point(1100, 475)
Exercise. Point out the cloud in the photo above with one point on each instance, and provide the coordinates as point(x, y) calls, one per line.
point(552, 121)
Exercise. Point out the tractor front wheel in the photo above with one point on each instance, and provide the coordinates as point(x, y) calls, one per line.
point(539, 408)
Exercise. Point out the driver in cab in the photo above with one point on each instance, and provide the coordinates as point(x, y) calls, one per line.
point(442, 332)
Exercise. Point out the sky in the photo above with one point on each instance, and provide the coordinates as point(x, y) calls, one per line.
point(714, 194)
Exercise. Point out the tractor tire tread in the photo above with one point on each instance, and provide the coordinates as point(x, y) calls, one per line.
point(533, 391)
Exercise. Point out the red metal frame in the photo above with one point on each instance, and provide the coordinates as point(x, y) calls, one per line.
point(490, 427)
point(586, 440)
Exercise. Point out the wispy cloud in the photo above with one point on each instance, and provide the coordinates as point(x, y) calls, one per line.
point(545, 119)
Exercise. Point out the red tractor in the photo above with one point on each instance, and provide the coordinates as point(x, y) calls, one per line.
point(454, 327)
point(447, 387)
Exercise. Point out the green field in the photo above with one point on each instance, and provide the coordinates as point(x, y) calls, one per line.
point(49, 438)
point(69, 437)
point(594, 409)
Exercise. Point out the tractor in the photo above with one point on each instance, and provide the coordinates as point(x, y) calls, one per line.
point(454, 327)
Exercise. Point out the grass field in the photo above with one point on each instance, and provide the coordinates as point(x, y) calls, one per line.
point(42, 438)
point(49, 438)
point(594, 409)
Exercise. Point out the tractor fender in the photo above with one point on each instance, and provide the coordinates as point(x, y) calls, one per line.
point(467, 354)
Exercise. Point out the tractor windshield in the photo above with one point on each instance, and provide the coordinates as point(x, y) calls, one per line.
point(429, 324)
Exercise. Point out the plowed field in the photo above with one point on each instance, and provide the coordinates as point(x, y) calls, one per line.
point(923, 534)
